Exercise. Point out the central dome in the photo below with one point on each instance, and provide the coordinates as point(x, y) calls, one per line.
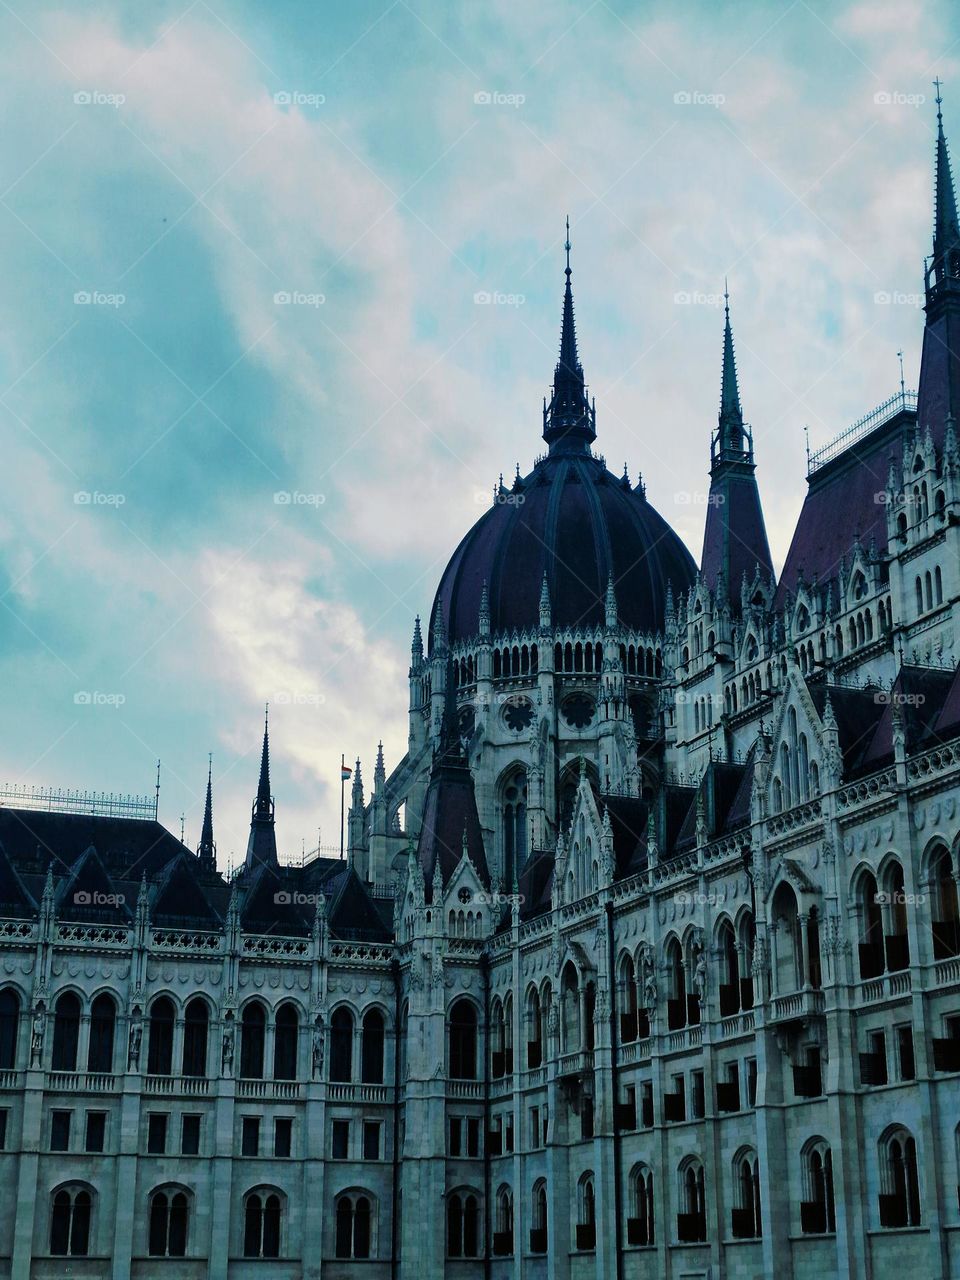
point(572, 520)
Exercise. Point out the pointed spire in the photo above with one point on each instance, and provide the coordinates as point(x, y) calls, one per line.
point(207, 849)
point(483, 624)
point(263, 807)
point(262, 843)
point(416, 645)
point(946, 231)
point(569, 421)
point(439, 630)
point(356, 793)
point(379, 772)
point(731, 414)
point(610, 603)
point(545, 611)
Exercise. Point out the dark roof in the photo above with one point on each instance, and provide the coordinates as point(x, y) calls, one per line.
point(858, 713)
point(628, 821)
point(351, 912)
point(574, 520)
point(723, 794)
point(735, 536)
point(450, 808)
point(535, 883)
point(34, 838)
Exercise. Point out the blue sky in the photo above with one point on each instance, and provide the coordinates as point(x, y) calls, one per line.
point(381, 164)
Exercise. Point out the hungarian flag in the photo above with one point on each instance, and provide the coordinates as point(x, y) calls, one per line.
point(345, 772)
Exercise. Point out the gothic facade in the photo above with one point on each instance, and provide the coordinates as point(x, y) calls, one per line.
point(645, 959)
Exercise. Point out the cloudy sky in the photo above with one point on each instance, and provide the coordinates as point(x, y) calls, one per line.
point(315, 251)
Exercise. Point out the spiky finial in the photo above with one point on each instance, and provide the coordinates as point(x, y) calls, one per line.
point(262, 808)
point(483, 622)
point(946, 230)
point(356, 792)
point(731, 414)
point(545, 610)
point(569, 421)
point(207, 849)
point(439, 630)
point(610, 603)
point(379, 772)
point(416, 645)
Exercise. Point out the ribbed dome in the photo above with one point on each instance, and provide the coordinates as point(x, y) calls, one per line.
point(579, 523)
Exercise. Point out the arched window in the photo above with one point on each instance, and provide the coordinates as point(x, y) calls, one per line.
point(676, 987)
point(534, 1030)
point(168, 1224)
point(938, 585)
point(586, 1213)
point(929, 589)
point(640, 1224)
point(871, 928)
point(9, 1026)
point(66, 1032)
point(514, 825)
point(286, 1038)
point(103, 1016)
point(463, 1225)
point(945, 925)
point(261, 1224)
point(729, 990)
point(538, 1229)
point(899, 1181)
point(746, 1221)
point(371, 1047)
point(341, 1045)
point(252, 1038)
point(692, 1219)
point(629, 1023)
point(354, 1226)
point(896, 939)
point(503, 1226)
point(70, 1214)
point(570, 1029)
point(463, 1041)
point(919, 589)
point(160, 1047)
point(196, 1023)
point(817, 1214)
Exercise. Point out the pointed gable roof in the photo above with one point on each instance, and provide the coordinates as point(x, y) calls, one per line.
point(88, 892)
point(16, 902)
point(180, 899)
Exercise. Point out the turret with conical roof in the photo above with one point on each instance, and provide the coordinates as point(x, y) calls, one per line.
point(939, 386)
point(262, 843)
point(207, 849)
point(569, 420)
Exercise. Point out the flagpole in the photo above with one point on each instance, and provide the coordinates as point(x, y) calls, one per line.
point(343, 783)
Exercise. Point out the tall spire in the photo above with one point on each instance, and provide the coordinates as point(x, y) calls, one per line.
point(207, 849)
point(731, 414)
point(946, 231)
point(262, 844)
point(569, 421)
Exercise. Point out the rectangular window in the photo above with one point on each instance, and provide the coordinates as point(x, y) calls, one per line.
point(873, 1063)
point(190, 1136)
point(3, 1129)
point(456, 1139)
point(473, 1136)
point(751, 1082)
point(545, 1125)
point(250, 1136)
point(371, 1140)
point(586, 1119)
point(96, 1131)
point(508, 1132)
point(157, 1133)
point(908, 1070)
point(697, 1100)
point(534, 1127)
point(282, 1137)
point(60, 1131)
point(646, 1104)
point(341, 1139)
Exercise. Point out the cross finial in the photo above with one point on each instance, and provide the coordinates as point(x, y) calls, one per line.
point(939, 99)
point(900, 358)
point(567, 245)
point(726, 297)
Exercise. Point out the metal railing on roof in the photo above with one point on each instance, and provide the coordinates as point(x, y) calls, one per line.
point(100, 804)
point(898, 403)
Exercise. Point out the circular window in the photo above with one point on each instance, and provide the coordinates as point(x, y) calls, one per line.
point(464, 895)
point(578, 711)
point(518, 714)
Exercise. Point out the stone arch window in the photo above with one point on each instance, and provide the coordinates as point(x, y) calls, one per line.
point(341, 1045)
point(570, 1011)
point(9, 1028)
point(71, 1211)
point(729, 990)
point(253, 1029)
point(535, 1030)
point(945, 924)
point(503, 1223)
point(746, 1218)
point(538, 1228)
point(66, 1032)
point(676, 986)
point(918, 585)
point(169, 1217)
point(196, 1025)
point(286, 1037)
point(262, 1221)
point(803, 768)
point(371, 1047)
point(937, 585)
point(692, 1216)
point(463, 1225)
point(928, 589)
point(514, 811)
point(463, 1040)
point(896, 939)
point(160, 1045)
point(899, 1179)
point(629, 1005)
point(103, 1021)
point(939, 503)
point(871, 927)
point(838, 641)
point(354, 1225)
point(586, 1212)
point(796, 943)
point(817, 1212)
point(640, 1225)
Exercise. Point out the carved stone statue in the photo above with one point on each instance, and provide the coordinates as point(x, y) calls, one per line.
point(36, 1038)
point(700, 975)
point(133, 1041)
point(318, 1047)
point(226, 1057)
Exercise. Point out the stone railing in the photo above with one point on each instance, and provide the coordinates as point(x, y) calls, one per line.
point(632, 1052)
point(932, 763)
point(275, 948)
point(11, 1079)
point(878, 786)
point(82, 1082)
point(179, 1086)
point(365, 953)
point(186, 941)
point(14, 931)
point(801, 815)
point(947, 972)
point(889, 986)
point(536, 1078)
point(346, 1092)
point(277, 1090)
point(686, 1038)
point(738, 1024)
point(92, 935)
point(796, 1005)
point(472, 1089)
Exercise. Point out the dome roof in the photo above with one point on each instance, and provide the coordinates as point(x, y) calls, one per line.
point(570, 519)
point(576, 522)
